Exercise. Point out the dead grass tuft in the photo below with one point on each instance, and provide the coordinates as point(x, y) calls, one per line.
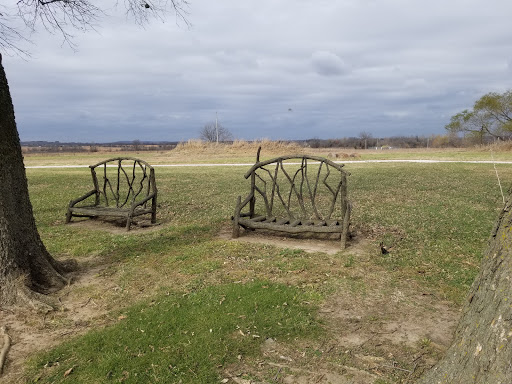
point(238, 147)
point(498, 146)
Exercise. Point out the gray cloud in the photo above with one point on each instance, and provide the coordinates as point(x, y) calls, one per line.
point(328, 64)
point(389, 68)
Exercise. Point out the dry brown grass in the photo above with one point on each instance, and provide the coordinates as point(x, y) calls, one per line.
point(498, 146)
point(238, 147)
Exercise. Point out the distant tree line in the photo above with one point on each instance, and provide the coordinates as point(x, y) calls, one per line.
point(370, 142)
point(363, 141)
point(56, 146)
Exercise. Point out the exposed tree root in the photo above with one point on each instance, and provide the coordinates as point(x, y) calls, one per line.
point(68, 265)
point(5, 348)
point(31, 290)
point(37, 301)
point(17, 292)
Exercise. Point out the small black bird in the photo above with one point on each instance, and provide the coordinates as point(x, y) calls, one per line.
point(383, 249)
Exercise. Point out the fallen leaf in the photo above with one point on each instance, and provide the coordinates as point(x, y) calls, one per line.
point(68, 372)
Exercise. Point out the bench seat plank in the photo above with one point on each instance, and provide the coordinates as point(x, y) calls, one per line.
point(107, 211)
point(294, 223)
point(298, 228)
point(258, 218)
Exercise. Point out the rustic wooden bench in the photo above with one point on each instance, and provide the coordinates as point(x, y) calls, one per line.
point(295, 194)
point(127, 189)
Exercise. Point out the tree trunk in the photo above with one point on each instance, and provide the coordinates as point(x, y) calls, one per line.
point(482, 349)
point(24, 260)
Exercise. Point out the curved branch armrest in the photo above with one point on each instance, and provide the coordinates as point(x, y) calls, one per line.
point(88, 194)
point(143, 201)
point(247, 200)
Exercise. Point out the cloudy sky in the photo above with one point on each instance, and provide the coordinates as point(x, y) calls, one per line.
point(269, 69)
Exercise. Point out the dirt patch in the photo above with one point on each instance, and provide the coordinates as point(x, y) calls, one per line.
point(378, 325)
point(366, 340)
point(328, 244)
point(81, 309)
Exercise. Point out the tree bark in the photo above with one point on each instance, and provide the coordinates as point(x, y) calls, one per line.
point(24, 260)
point(482, 348)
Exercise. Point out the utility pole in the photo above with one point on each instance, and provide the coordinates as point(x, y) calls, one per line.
point(216, 128)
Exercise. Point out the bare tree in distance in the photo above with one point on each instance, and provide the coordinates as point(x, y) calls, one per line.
point(215, 132)
point(137, 145)
point(27, 270)
point(365, 137)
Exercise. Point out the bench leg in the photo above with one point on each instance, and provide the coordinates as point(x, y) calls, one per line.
point(68, 216)
point(128, 222)
point(346, 224)
point(153, 211)
point(236, 216)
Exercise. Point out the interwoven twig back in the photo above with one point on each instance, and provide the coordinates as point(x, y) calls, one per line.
point(123, 183)
point(298, 190)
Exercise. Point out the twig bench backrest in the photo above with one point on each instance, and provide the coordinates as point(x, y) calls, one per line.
point(122, 181)
point(123, 187)
point(295, 194)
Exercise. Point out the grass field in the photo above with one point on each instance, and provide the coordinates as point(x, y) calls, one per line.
point(179, 303)
point(244, 152)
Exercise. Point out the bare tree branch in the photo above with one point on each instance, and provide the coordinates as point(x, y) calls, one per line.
point(143, 12)
point(62, 17)
point(8, 38)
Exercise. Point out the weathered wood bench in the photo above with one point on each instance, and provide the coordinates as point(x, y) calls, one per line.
point(127, 189)
point(295, 194)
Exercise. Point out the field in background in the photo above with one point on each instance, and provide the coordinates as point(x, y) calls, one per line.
point(148, 287)
point(245, 152)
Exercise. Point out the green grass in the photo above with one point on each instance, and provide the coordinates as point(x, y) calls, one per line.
point(461, 154)
point(183, 338)
point(436, 217)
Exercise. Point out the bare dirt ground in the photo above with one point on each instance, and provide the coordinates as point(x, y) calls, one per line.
point(373, 333)
point(308, 245)
point(377, 328)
